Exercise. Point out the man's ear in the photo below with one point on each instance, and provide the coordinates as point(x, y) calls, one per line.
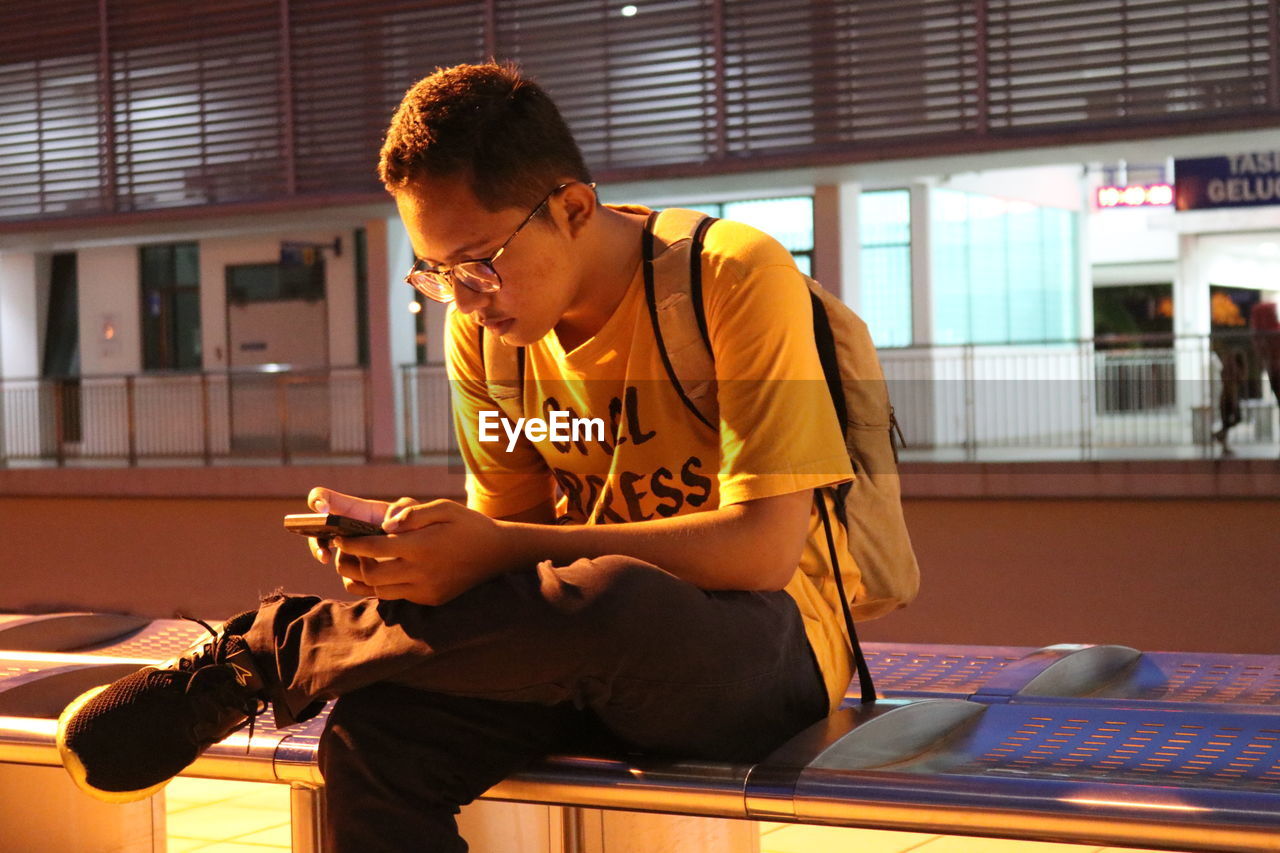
point(579, 204)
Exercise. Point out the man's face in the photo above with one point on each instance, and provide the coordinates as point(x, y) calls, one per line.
point(447, 224)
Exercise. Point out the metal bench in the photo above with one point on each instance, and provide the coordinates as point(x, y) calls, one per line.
point(1097, 744)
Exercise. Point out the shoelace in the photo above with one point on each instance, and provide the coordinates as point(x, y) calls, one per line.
point(221, 693)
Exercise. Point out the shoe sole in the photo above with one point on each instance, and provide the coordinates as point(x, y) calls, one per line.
point(76, 769)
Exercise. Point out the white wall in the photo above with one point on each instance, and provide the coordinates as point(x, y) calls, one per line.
point(217, 253)
point(21, 412)
point(1133, 236)
point(1241, 260)
point(398, 255)
point(19, 334)
point(1047, 186)
point(109, 295)
point(400, 295)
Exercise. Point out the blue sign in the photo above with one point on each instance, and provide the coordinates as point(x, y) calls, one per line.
point(1240, 180)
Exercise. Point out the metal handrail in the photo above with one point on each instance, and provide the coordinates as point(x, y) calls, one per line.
point(1115, 396)
point(254, 413)
point(1119, 396)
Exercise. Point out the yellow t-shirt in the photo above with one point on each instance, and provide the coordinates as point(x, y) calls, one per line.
point(653, 458)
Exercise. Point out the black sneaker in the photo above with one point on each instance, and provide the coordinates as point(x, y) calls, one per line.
point(124, 741)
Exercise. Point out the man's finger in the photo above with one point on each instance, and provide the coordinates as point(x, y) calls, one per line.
point(321, 499)
point(391, 592)
point(348, 565)
point(417, 516)
point(357, 588)
point(378, 547)
point(386, 572)
point(320, 548)
point(399, 504)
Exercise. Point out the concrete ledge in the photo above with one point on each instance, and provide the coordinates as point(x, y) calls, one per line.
point(1173, 478)
point(1200, 478)
point(387, 480)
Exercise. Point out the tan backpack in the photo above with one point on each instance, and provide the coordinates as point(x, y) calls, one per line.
point(870, 507)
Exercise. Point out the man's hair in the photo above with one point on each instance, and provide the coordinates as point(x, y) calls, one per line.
point(488, 124)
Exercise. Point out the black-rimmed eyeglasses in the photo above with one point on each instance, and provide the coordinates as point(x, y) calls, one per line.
point(476, 274)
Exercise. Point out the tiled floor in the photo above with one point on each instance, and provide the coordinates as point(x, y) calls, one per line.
point(250, 817)
point(226, 817)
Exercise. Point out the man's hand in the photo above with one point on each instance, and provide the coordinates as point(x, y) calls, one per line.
point(437, 550)
point(432, 553)
point(327, 500)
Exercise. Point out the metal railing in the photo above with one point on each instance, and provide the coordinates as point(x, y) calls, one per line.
point(1124, 398)
point(250, 415)
point(1152, 396)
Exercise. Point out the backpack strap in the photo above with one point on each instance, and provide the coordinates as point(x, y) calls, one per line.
point(824, 340)
point(673, 292)
point(503, 373)
point(866, 687)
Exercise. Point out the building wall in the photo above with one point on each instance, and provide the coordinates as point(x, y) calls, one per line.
point(108, 287)
point(1182, 574)
point(19, 331)
point(1177, 574)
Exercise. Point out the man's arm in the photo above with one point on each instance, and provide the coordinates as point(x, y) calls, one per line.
point(438, 550)
point(751, 545)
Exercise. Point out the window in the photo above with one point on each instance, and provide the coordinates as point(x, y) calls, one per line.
point(171, 307)
point(362, 297)
point(787, 220)
point(61, 358)
point(62, 324)
point(275, 282)
point(1003, 271)
point(884, 227)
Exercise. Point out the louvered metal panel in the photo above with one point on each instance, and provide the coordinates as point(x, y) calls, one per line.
point(635, 90)
point(128, 105)
point(1054, 62)
point(832, 76)
point(351, 63)
point(199, 115)
point(49, 115)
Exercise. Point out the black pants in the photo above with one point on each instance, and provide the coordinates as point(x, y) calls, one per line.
point(440, 703)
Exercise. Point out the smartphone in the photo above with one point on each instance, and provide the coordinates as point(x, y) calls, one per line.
point(328, 525)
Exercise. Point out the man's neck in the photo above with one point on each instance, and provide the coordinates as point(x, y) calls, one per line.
point(615, 246)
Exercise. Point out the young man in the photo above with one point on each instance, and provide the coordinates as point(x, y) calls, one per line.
point(706, 625)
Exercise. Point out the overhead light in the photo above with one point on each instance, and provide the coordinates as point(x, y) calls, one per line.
point(415, 307)
point(629, 11)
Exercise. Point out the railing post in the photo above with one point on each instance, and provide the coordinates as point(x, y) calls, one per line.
point(410, 401)
point(59, 434)
point(1087, 374)
point(572, 829)
point(1209, 397)
point(204, 418)
point(367, 397)
point(4, 425)
point(970, 415)
point(131, 415)
point(306, 819)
